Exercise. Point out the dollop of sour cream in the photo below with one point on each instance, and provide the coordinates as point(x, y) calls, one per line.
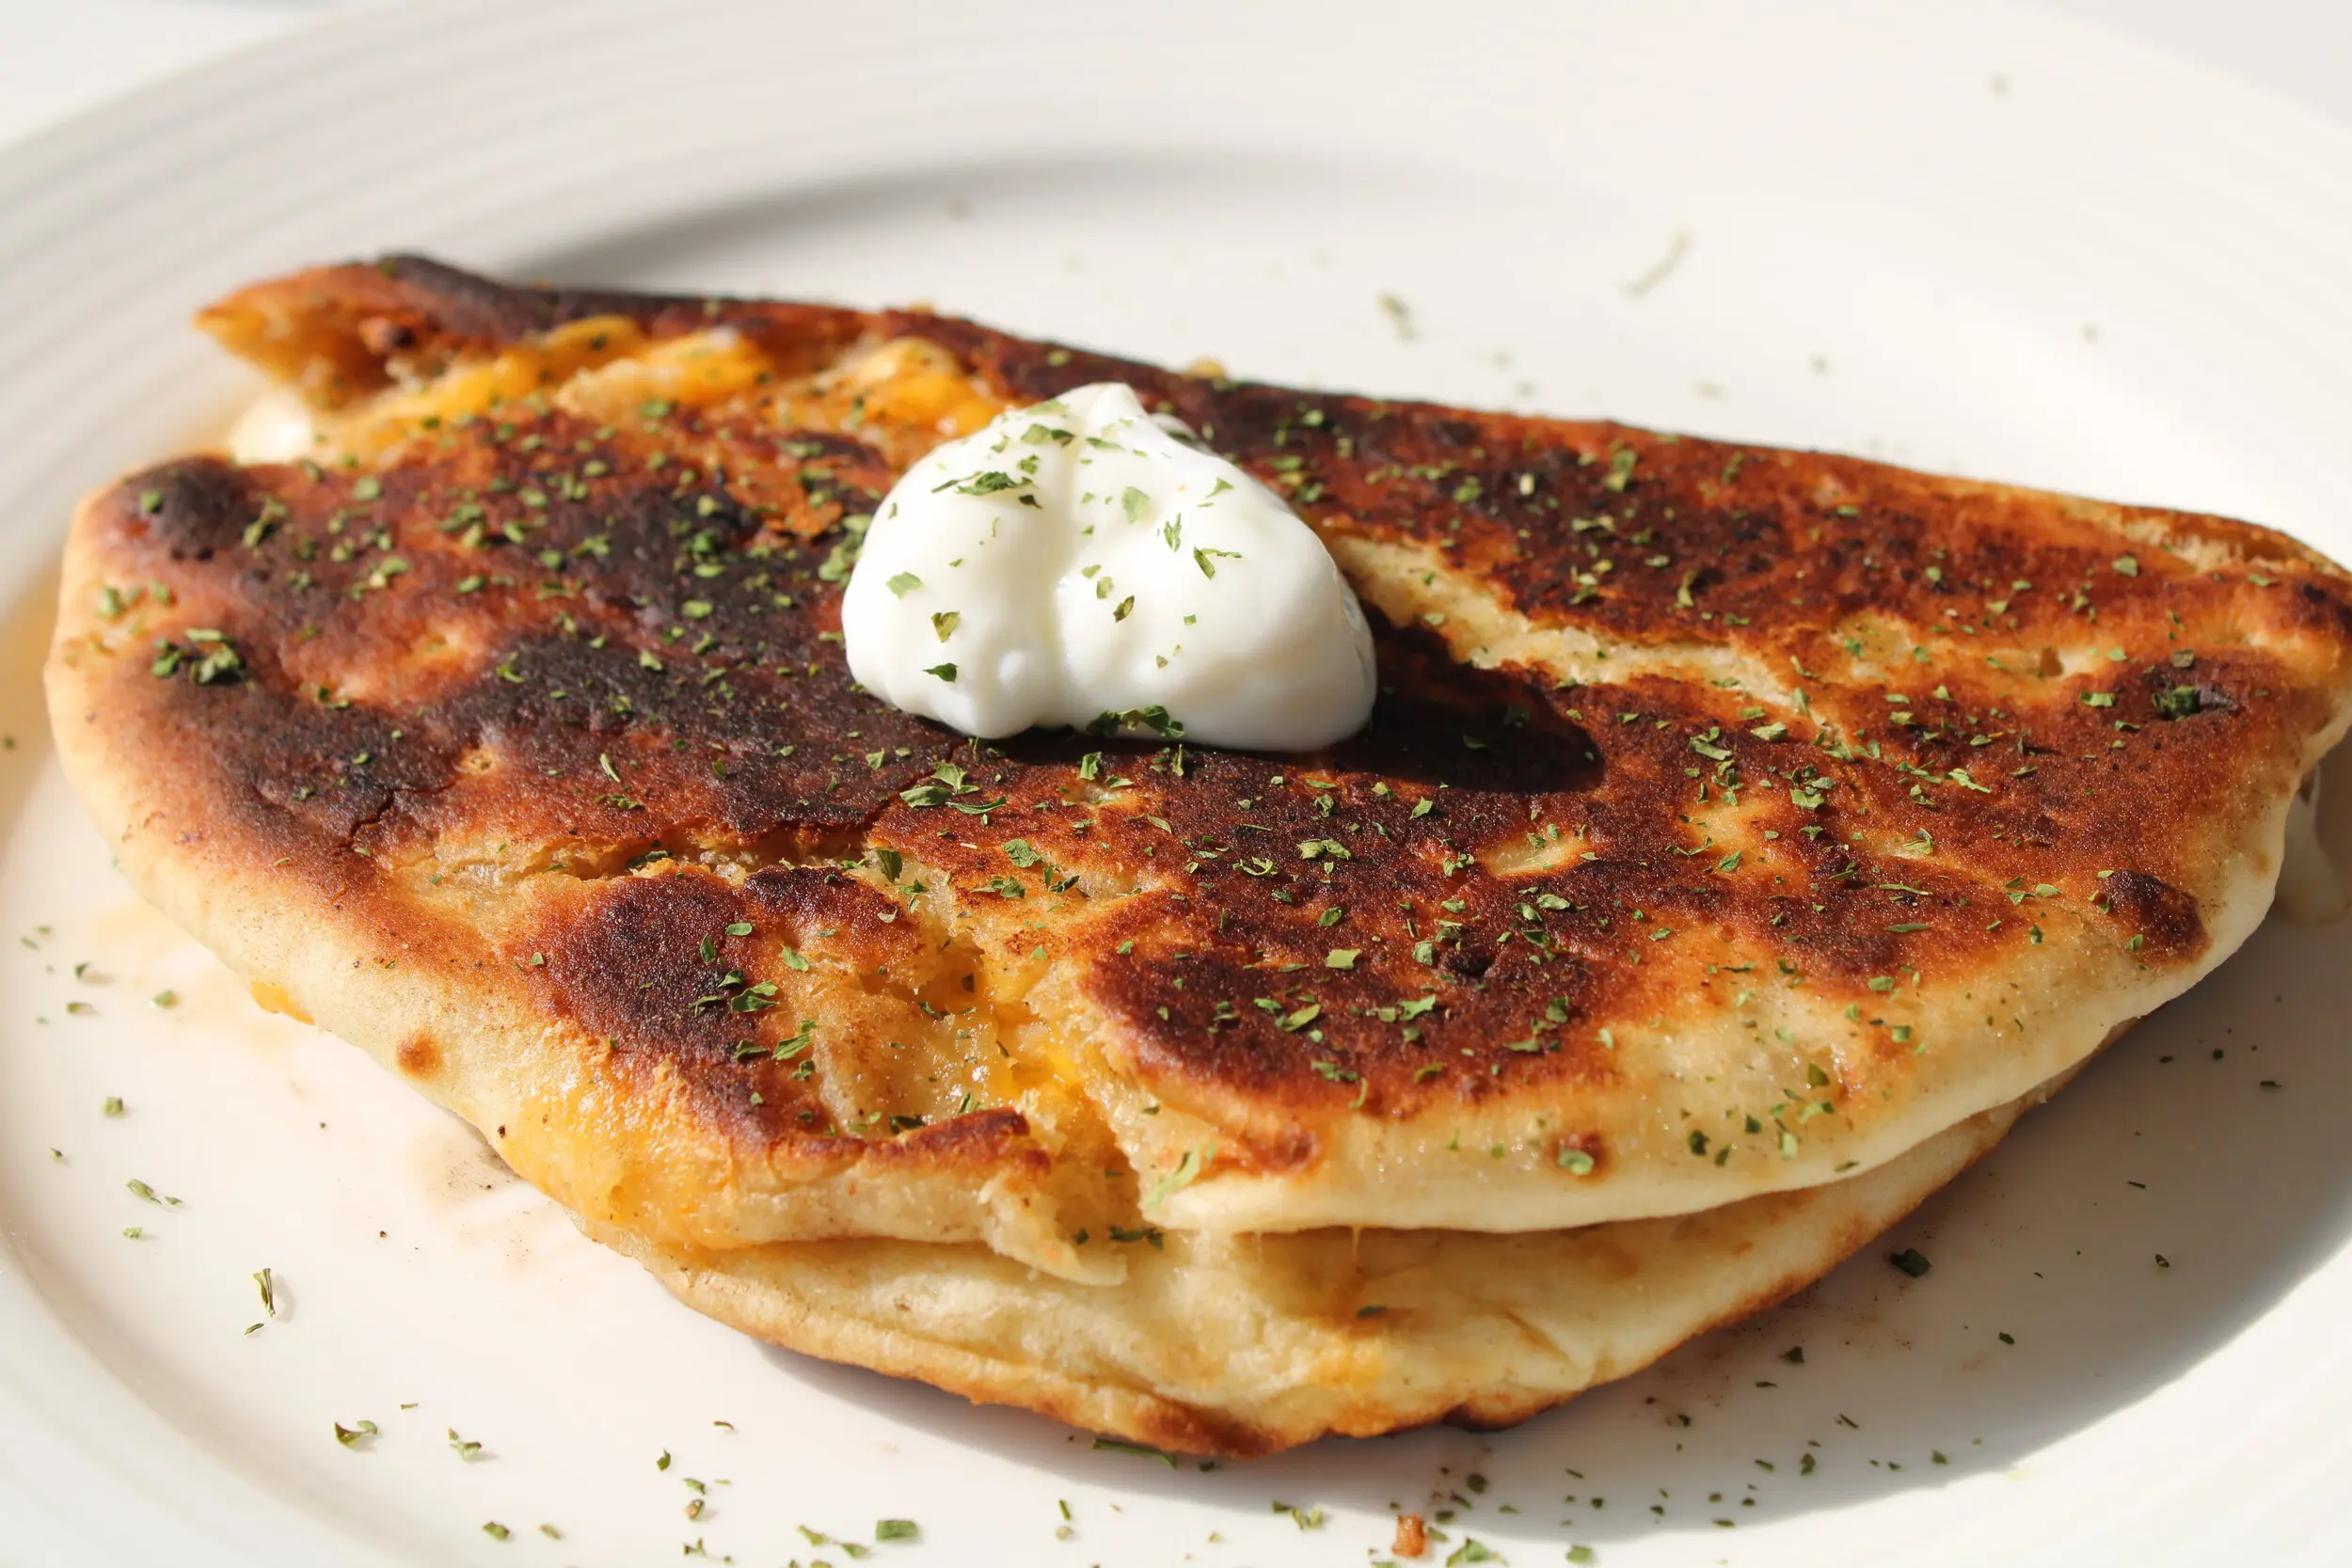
point(1082, 561)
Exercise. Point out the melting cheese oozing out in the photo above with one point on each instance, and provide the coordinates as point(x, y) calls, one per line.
point(2309, 889)
point(277, 428)
point(1082, 561)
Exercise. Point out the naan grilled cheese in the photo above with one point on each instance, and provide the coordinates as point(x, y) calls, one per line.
point(1732, 824)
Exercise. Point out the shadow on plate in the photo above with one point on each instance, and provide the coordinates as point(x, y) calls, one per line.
point(2155, 1211)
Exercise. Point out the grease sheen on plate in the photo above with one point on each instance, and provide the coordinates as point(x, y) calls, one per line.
point(2249, 1260)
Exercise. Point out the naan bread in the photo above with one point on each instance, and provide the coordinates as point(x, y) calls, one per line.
point(1243, 1345)
point(1736, 829)
point(1733, 819)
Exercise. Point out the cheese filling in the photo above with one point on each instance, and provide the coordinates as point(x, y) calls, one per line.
point(2309, 889)
point(276, 428)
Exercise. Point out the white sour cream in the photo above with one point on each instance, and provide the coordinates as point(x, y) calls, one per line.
point(1081, 558)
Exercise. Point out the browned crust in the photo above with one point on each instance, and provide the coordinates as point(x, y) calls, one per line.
point(601, 697)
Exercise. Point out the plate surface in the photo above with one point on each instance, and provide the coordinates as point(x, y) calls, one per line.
point(1960, 237)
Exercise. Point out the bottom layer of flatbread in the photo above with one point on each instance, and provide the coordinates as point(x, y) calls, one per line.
point(1243, 1345)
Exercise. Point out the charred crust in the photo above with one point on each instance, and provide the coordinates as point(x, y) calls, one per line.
point(2165, 921)
point(798, 902)
point(984, 1141)
point(643, 661)
point(626, 964)
point(188, 509)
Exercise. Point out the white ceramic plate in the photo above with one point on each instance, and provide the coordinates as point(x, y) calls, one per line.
point(1962, 237)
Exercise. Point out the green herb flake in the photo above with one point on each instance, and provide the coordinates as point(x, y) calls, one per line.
point(1112, 1445)
point(986, 484)
point(894, 1529)
point(1911, 1260)
point(1188, 1169)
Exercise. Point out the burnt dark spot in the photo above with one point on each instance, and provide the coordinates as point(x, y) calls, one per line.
point(810, 444)
point(629, 969)
point(801, 900)
point(2165, 918)
point(384, 336)
point(467, 305)
point(191, 508)
point(630, 964)
point(2174, 699)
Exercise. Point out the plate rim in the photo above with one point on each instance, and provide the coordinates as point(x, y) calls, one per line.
point(105, 152)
